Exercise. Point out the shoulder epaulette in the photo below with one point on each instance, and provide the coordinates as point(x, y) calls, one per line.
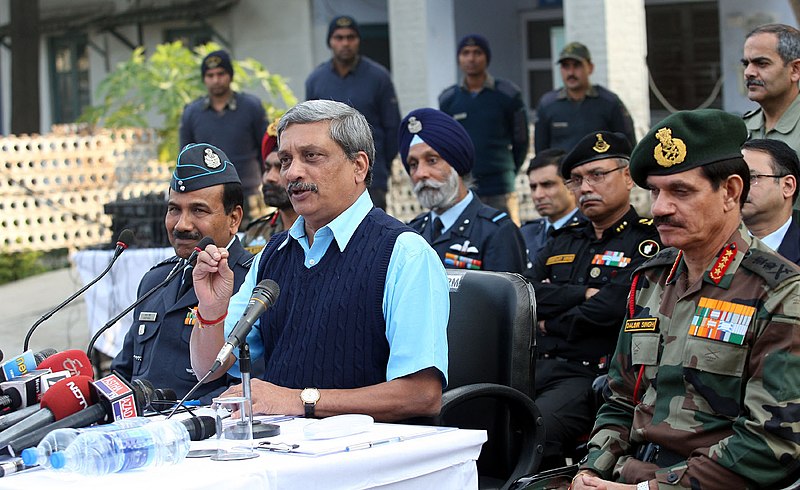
point(665, 257)
point(492, 214)
point(771, 267)
point(646, 221)
point(447, 93)
point(506, 87)
point(537, 221)
point(417, 218)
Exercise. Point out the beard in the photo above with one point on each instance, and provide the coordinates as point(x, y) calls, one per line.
point(433, 194)
point(275, 196)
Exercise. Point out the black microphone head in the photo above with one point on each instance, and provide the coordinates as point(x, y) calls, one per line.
point(126, 238)
point(201, 245)
point(200, 428)
point(165, 394)
point(43, 354)
point(269, 290)
point(13, 400)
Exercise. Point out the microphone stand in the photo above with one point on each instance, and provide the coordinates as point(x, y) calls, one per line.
point(260, 430)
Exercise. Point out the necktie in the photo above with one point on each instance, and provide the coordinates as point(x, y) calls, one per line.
point(438, 226)
point(186, 282)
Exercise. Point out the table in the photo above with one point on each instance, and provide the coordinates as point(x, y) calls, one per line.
point(116, 291)
point(442, 460)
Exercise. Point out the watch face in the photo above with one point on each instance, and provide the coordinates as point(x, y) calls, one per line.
point(309, 395)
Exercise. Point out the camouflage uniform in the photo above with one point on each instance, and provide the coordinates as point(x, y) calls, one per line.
point(724, 412)
point(258, 232)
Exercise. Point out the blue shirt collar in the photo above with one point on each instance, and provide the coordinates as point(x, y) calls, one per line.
point(450, 216)
point(557, 224)
point(342, 227)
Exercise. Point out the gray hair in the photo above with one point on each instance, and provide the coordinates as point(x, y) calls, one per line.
point(788, 47)
point(348, 127)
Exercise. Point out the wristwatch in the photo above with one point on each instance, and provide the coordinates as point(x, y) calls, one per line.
point(309, 397)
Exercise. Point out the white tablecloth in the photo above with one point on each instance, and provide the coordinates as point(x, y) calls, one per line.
point(445, 460)
point(116, 291)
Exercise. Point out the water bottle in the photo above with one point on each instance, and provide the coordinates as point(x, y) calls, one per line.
point(99, 453)
point(60, 439)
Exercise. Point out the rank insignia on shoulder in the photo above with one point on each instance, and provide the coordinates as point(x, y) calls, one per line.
point(560, 259)
point(649, 248)
point(611, 258)
point(641, 325)
point(721, 320)
point(464, 248)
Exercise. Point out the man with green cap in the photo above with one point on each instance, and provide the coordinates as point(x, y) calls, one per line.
point(703, 385)
point(205, 200)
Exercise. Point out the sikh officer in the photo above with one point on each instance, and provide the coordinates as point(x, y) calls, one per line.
point(438, 155)
point(205, 199)
point(582, 277)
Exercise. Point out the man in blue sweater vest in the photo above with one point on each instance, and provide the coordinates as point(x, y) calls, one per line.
point(493, 113)
point(360, 323)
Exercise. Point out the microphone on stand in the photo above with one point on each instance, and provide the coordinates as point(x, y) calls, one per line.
point(125, 238)
point(206, 241)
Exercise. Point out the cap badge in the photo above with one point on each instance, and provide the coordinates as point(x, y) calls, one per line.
point(272, 129)
point(414, 126)
point(343, 22)
point(671, 151)
point(211, 159)
point(213, 61)
point(601, 146)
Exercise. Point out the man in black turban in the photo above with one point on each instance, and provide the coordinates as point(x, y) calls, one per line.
point(438, 155)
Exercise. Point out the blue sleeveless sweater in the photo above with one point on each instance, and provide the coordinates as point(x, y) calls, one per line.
point(327, 328)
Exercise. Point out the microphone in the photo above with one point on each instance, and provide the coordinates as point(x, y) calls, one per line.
point(9, 419)
point(149, 396)
point(23, 363)
point(75, 361)
point(10, 399)
point(66, 397)
point(125, 238)
point(201, 245)
point(264, 295)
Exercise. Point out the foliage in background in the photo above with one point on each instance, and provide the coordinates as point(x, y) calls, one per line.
point(19, 265)
point(168, 80)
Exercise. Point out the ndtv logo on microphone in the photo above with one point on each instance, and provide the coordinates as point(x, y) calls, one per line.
point(77, 393)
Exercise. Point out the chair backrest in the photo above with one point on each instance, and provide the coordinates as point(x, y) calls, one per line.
point(490, 332)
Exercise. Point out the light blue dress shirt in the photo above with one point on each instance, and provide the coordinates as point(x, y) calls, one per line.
point(416, 301)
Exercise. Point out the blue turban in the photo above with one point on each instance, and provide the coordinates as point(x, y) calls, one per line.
point(443, 133)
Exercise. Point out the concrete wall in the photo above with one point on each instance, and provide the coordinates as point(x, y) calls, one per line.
point(737, 18)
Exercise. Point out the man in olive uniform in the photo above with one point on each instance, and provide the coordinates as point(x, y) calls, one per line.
point(259, 231)
point(582, 277)
point(205, 199)
point(704, 386)
point(466, 234)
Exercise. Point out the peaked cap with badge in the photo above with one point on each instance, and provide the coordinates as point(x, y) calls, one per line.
point(201, 165)
point(687, 140)
point(342, 22)
point(217, 59)
point(575, 51)
point(596, 146)
point(443, 133)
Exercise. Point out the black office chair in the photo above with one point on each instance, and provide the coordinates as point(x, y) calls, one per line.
point(491, 372)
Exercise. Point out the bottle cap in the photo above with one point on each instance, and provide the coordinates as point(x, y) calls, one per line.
point(57, 460)
point(30, 456)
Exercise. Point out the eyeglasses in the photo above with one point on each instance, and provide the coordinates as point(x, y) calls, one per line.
point(593, 178)
point(754, 177)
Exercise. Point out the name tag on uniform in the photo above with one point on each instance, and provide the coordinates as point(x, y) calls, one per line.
point(460, 116)
point(721, 320)
point(147, 316)
point(641, 325)
point(560, 259)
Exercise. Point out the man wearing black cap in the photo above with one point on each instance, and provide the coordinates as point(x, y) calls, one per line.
point(467, 234)
point(565, 115)
point(205, 199)
point(232, 121)
point(703, 384)
point(367, 87)
point(582, 277)
point(494, 115)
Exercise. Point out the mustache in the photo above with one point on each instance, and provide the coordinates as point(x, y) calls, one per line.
point(667, 220)
point(754, 82)
point(301, 186)
point(427, 184)
point(589, 197)
point(186, 235)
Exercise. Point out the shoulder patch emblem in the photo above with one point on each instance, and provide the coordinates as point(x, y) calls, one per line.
point(648, 248)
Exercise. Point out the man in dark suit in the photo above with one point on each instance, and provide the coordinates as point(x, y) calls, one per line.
point(767, 212)
point(438, 155)
point(205, 199)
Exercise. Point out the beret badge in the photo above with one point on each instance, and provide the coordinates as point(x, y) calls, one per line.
point(670, 151)
point(600, 146)
point(414, 125)
point(211, 159)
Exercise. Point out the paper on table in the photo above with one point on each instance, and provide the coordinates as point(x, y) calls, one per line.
point(292, 441)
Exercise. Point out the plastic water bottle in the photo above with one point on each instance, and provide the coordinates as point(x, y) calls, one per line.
point(99, 453)
point(60, 439)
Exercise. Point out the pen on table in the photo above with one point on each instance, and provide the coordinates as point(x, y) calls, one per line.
point(367, 445)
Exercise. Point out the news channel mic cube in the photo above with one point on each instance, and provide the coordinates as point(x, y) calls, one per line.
point(28, 386)
point(234, 428)
point(116, 393)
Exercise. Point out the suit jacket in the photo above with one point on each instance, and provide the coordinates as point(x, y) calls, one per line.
point(790, 246)
point(481, 238)
point(156, 347)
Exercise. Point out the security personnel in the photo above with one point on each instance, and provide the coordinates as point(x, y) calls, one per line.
point(205, 199)
point(582, 277)
point(437, 153)
point(259, 232)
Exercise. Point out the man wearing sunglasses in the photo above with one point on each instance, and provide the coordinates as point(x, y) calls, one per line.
point(767, 212)
point(582, 277)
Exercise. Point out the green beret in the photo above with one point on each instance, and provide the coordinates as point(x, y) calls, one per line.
point(201, 165)
point(686, 140)
point(600, 145)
